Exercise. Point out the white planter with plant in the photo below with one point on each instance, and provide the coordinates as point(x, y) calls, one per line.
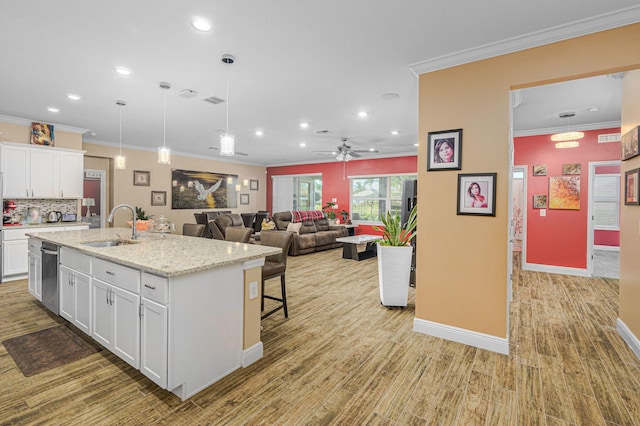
point(394, 258)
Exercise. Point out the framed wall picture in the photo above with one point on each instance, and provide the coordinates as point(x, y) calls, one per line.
point(564, 193)
point(477, 194)
point(632, 187)
point(571, 169)
point(540, 170)
point(193, 189)
point(244, 198)
point(444, 150)
point(253, 184)
point(42, 134)
point(141, 178)
point(158, 198)
point(539, 201)
point(629, 144)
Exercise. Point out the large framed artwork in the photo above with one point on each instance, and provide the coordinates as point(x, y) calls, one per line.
point(203, 190)
point(631, 187)
point(564, 193)
point(629, 144)
point(444, 150)
point(477, 194)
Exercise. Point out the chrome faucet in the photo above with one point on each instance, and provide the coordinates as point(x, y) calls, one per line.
point(134, 234)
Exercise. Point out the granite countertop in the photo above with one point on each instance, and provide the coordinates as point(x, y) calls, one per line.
point(7, 226)
point(170, 256)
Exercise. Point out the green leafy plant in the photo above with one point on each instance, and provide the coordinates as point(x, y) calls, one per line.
point(330, 213)
point(394, 233)
point(345, 215)
point(141, 214)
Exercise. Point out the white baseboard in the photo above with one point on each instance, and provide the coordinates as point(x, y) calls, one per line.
point(252, 354)
point(631, 340)
point(461, 335)
point(607, 248)
point(564, 270)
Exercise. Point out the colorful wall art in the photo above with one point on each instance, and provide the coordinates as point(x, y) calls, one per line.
point(203, 190)
point(564, 193)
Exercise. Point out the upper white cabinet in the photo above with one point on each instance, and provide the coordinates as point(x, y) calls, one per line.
point(41, 172)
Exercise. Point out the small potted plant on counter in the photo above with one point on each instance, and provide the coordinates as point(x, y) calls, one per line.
point(394, 257)
point(331, 214)
point(142, 219)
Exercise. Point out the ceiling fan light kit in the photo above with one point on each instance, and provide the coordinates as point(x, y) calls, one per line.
point(567, 139)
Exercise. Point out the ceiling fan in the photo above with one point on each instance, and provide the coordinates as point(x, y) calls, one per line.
point(345, 153)
point(236, 152)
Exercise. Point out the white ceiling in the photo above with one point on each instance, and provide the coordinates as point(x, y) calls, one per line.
point(296, 60)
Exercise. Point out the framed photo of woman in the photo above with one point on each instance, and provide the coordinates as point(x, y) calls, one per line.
point(477, 194)
point(632, 187)
point(444, 150)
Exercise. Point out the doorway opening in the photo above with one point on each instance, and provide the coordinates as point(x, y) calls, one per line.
point(93, 201)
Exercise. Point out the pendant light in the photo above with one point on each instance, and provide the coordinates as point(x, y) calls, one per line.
point(567, 139)
point(164, 153)
point(227, 141)
point(121, 160)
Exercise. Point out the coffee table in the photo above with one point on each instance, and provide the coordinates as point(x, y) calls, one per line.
point(350, 247)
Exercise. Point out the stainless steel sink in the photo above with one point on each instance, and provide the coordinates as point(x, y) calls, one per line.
point(109, 243)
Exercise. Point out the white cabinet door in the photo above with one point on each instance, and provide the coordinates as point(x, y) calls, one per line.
point(14, 257)
point(154, 341)
point(35, 276)
point(102, 313)
point(71, 169)
point(65, 289)
point(126, 328)
point(16, 167)
point(42, 174)
point(82, 302)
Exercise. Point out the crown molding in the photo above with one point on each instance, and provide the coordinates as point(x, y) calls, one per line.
point(560, 129)
point(607, 21)
point(25, 122)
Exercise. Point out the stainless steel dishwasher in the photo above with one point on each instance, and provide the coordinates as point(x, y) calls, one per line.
point(50, 294)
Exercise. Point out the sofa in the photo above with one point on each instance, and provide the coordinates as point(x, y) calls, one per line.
point(314, 233)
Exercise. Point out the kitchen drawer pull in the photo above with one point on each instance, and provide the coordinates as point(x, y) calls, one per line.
point(152, 287)
point(110, 273)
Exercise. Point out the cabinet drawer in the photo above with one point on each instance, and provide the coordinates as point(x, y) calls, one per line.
point(74, 260)
point(118, 275)
point(15, 234)
point(34, 246)
point(154, 288)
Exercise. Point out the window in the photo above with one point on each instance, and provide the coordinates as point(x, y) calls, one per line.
point(606, 202)
point(374, 195)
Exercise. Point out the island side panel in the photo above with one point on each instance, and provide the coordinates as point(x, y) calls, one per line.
point(252, 308)
point(205, 328)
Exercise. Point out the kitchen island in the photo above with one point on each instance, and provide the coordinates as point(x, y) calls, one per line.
point(185, 311)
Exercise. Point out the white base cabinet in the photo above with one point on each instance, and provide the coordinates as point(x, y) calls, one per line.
point(154, 340)
point(35, 269)
point(75, 298)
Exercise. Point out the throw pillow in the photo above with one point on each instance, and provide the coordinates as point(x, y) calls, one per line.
point(268, 225)
point(294, 227)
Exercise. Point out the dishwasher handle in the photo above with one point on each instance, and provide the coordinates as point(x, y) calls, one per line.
point(48, 251)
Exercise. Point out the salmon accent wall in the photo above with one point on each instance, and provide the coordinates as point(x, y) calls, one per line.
point(461, 276)
point(335, 177)
point(560, 237)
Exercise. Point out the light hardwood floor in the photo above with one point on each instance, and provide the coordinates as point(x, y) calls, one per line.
point(342, 358)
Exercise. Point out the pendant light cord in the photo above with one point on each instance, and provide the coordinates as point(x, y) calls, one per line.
point(164, 119)
point(227, 125)
point(120, 131)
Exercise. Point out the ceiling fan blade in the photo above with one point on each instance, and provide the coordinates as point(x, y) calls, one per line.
point(236, 152)
point(364, 150)
point(329, 152)
point(354, 154)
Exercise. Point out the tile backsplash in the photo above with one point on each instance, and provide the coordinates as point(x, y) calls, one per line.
point(46, 205)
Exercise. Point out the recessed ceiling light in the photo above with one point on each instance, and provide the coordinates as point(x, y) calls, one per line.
point(395, 132)
point(302, 144)
point(372, 149)
point(73, 97)
point(259, 133)
point(93, 133)
point(53, 109)
point(122, 70)
point(416, 144)
point(200, 24)
point(362, 114)
point(304, 125)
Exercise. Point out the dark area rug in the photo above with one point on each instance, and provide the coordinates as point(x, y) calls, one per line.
point(43, 350)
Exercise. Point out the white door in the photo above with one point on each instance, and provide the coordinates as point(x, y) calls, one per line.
point(35, 276)
point(126, 327)
point(82, 301)
point(15, 258)
point(102, 313)
point(43, 179)
point(15, 165)
point(71, 169)
point(65, 287)
point(154, 341)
